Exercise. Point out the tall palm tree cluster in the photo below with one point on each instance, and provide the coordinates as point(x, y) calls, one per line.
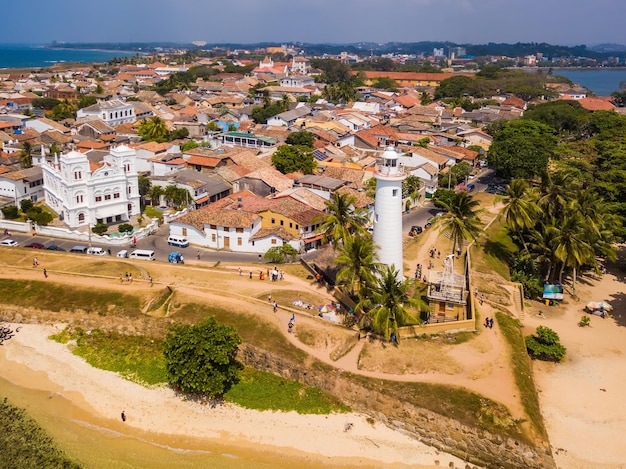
point(561, 226)
point(382, 301)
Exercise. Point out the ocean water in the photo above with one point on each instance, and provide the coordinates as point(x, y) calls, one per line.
point(602, 81)
point(35, 55)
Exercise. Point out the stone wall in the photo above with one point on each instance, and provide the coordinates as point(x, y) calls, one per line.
point(474, 445)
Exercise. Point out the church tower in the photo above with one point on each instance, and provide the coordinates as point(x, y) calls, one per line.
point(388, 210)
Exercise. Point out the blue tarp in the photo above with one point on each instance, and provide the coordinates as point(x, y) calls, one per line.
point(552, 292)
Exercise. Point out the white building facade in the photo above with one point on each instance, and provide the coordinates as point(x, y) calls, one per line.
point(84, 194)
point(113, 112)
point(389, 175)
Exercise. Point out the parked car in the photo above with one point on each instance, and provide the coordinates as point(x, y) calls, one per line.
point(123, 254)
point(9, 242)
point(35, 246)
point(54, 247)
point(415, 230)
point(79, 249)
point(96, 251)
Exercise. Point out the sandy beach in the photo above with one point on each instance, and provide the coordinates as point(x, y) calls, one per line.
point(159, 411)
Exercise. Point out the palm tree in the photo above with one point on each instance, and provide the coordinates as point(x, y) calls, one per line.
point(342, 219)
point(155, 193)
point(571, 248)
point(520, 211)
point(153, 129)
point(462, 220)
point(26, 155)
point(542, 246)
point(388, 302)
point(359, 264)
point(556, 194)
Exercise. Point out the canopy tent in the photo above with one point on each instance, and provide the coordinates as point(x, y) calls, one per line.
point(592, 305)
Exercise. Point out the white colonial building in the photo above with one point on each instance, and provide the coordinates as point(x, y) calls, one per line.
point(84, 193)
point(113, 112)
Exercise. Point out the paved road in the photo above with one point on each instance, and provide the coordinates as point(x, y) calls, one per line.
point(158, 241)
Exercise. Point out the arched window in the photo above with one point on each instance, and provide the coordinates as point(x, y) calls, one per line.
point(81, 217)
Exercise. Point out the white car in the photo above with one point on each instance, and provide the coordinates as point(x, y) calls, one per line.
point(9, 242)
point(96, 251)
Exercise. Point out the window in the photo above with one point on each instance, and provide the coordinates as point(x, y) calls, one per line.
point(239, 242)
point(81, 217)
point(107, 196)
point(282, 223)
point(98, 198)
point(226, 229)
point(213, 227)
point(116, 195)
point(273, 221)
point(78, 174)
point(290, 225)
point(297, 227)
point(213, 238)
point(239, 230)
point(273, 240)
point(394, 192)
point(79, 199)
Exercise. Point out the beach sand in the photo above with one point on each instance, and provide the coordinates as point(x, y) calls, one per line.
point(52, 367)
point(582, 399)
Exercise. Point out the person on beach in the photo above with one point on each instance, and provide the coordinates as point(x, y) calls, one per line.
point(45, 273)
point(123, 415)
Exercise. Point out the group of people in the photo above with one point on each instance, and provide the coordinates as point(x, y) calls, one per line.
point(489, 323)
point(434, 251)
point(128, 277)
point(418, 273)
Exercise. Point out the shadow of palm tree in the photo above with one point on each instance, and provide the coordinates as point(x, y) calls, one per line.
point(497, 250)
point(618, 301)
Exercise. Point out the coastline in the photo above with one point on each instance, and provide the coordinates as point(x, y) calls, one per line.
point(32, 361)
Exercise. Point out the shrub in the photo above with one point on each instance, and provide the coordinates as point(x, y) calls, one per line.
point(545, 345)
point(100, 229)
point(40, 217)
point(278, 254)
point(26, 205)
point(125, 228)
point(10, 212)
point(584, 321)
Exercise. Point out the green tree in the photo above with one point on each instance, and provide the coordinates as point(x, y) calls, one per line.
point(66, 109)
point(301, 137)
point(572, 248)
point(10, 212)
point(619, 97)
point(522, 149)
point(26, 155)
point(293, 158)
point(54, 149)
point(385, 83)
point(26, 205)
point(201, 358)
point(545, 345)
point(388, 304)
point(279, 254)
point(144, 185)
point(455, 87)
point(125, 228)
point(411, 186)
point(153, 129)
point(342, 219)
point(86, 101)
point(461, 220)
point(154, 194)
point(564, 116)
point(358, 264)
point(425, 98)
point(520, 210)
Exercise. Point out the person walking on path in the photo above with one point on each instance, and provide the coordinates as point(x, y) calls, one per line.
point(240, 271)
point(123, 415)
point(482, 299)
point(490, 323)
point(275, 306)
point(35, 262)
point(269, 298)
point(150, 280)
point(45, 273)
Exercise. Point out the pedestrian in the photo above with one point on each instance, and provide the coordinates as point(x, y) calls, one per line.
point(121, 279)
point(109, 251)
point(45, 273)
point(240, 271)
point(438, 254)
point(150, 280)
point(482, 298)
point(35, 262)
point(269, 298)
point(123, 415)
point(250, 275)
point(490, 323)
point(476, 292)
point(290, 327)
point(487, 321)
point(275, 306)
point(198, 255)
point(126, 276)
point(130, 278)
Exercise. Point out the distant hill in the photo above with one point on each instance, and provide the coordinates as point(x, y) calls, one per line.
point(608, 47)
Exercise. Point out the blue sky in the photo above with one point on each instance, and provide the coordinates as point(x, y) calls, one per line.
point(245, 21)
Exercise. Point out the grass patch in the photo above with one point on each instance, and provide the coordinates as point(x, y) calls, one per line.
point(58, 297)
point(497, 251)
point(252, 330)
point(24, 444)
point(522, 371)
point(265, 391)
point(136, 358)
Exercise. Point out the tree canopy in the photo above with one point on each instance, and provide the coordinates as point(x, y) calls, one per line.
point(201, 358)
point(293, 158)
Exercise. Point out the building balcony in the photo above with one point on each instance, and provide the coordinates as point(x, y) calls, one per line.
point(448, 296)
point(389, 171)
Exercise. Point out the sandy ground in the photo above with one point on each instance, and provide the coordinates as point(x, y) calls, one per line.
point(152, 410)
point(582, 399)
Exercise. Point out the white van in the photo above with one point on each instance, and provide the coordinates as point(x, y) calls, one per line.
point(179, 241)
point(123, 254)
point(96, 251)
point(142, 254)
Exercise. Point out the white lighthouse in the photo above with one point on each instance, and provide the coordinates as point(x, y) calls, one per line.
point(388, 210)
